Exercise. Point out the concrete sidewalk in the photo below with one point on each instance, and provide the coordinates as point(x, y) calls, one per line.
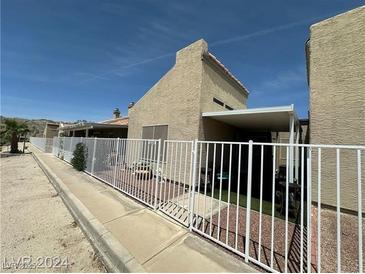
point(129, 236)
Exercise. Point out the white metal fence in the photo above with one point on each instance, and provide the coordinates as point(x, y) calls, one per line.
point(129, 165)
point(44, 144)
point(272, 215)
point(174, 190)
point(237, 195)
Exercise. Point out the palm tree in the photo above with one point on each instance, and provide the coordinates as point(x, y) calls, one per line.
point(12, 133)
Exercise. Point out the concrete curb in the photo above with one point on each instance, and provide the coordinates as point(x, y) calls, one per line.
point(115, 257)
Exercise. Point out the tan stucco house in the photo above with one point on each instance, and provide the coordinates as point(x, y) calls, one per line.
point(336, 76)
point(50, 130)
point(199, 98)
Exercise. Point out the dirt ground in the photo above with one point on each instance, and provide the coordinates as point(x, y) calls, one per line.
point(38, 234)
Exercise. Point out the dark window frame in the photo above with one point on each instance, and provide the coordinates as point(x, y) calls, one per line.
point(218, 102)
point(153, 127)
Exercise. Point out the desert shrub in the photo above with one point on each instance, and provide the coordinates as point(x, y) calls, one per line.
point(78, 160)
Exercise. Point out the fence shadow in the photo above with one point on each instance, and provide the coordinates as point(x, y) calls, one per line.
point(278, 253)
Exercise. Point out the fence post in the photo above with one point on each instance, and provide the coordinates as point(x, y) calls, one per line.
point(359, 209)
point(248, 209)
point(53, 145)
point(116, 163)
point(58, 146)
point(93, 158)
point(71, 152)
point(157, 180)
point(338, 208)
point(63, 147)
point(192, 184)
point(309, 207)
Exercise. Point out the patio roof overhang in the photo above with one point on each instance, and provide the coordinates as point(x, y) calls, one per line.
point(279, 119)
point(268, 118)
point(84, 126)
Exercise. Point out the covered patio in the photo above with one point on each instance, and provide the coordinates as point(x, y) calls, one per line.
point(100, 130)
point(263, 125)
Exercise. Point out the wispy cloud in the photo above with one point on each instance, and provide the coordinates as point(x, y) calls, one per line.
point(286, 79)
point(271, 30)
point(162, 29)
point(40, 78)
point(260, 33)
point(37, 108)
point(284, 88)
point(118, 69)
point(282, 84)
point(89, 75)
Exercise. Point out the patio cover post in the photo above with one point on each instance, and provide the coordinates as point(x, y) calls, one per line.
point(291, 142)
point(192, 184)
point(297, 152)
point(93, 158)
point(87, 132)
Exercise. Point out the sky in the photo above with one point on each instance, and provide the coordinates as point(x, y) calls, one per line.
point(79, 59)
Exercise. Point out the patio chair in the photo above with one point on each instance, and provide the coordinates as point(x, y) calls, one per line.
point(224, 177)
point(142, 170)
point(209, 178)
point(281, 192)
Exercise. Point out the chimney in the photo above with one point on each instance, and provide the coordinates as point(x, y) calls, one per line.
point(116, 113)
point(192, 53)
point(131, 104)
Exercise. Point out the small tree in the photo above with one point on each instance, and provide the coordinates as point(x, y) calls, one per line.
point(79, 157)
point(12, 133)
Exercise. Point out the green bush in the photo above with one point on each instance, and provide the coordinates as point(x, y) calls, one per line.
point(79, 157)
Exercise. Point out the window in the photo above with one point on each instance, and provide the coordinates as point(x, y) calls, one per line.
point(217, 101)
point(147, 132)
point(155, 132)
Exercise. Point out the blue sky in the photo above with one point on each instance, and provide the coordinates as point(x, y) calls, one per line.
point(79, 59)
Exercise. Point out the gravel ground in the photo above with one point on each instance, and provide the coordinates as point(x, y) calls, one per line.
point(144, 190)
point(349, 241)
point(265, 256)
point(36, 227)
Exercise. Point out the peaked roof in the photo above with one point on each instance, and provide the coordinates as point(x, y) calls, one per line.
point(220, 65)
point(122, 121)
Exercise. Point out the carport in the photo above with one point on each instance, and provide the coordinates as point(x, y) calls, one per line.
point(269, 119)
point(101, 130)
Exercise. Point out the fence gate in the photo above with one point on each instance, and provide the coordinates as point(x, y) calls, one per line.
point(174, 187)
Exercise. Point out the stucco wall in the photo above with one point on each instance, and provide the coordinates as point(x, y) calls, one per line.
point(180, 96)
point(50, 131)
point(212, 130)
point(337, 99)
point(283, 137)
point(174, 99)
point(215, 84)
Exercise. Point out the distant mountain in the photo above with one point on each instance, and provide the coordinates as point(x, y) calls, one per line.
point(36, 126)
